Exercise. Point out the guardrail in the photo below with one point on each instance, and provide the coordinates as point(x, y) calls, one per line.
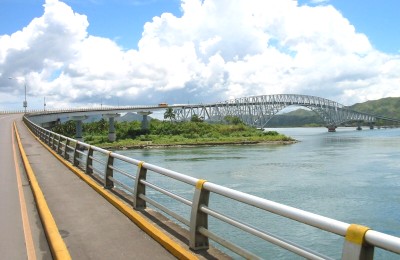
point(359, 241)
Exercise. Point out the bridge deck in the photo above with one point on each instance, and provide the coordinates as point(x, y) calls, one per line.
point(20, 236)
point(90, 226)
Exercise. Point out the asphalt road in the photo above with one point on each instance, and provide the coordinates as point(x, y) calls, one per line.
point(21, 232)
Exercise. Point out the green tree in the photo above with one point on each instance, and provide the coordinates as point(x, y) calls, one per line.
point(196, 118)
point(233, 120)
point(68, 128)
point(169, 113)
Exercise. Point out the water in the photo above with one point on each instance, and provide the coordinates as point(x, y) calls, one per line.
point(352, 176)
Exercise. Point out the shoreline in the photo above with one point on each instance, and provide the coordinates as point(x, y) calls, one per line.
point(203, 144)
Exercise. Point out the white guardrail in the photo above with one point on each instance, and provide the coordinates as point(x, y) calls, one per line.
point(359, 241)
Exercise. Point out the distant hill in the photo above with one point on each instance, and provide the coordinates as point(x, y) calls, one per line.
point(296, 118)
point(129, 117)
point(387, 107)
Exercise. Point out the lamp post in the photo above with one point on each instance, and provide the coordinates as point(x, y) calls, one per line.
point(24, 103)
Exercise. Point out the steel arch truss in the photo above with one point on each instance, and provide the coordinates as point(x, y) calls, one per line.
point(258, 110)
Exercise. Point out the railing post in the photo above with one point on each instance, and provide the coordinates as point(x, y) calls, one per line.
point(39, 133)
point(140, 188)
point(108, 172)
point(53, 145)
point(66, 155)
point(89, 161)
point(76, 154)
point(198, 218)
point(354, 246)
point(58, 145)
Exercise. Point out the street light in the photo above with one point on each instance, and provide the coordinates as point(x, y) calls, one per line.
point(24, 103)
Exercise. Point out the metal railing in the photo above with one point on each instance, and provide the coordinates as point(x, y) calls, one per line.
point(359, 241)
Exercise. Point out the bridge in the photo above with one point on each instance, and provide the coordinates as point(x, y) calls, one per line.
point(72, 204)
point(258, 110)
point(255, 111)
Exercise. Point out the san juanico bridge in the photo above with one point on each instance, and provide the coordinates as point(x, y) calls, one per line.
point(143, 193)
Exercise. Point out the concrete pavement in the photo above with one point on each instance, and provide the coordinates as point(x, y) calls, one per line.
point(21, 231)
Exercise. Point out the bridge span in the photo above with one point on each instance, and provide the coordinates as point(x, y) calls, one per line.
point(255, 111)
point(258, 110)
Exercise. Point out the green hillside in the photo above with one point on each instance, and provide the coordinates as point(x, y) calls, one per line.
point(296, 118)
point(387, 107)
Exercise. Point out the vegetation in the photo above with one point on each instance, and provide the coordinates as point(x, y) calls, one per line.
point(169, 113)
point(387, 107)
point(297, 118)
point(161, 133)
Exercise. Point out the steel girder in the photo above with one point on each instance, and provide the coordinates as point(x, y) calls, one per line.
point(258, 110)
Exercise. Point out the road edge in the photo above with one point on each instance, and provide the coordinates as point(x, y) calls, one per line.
point(56, 243)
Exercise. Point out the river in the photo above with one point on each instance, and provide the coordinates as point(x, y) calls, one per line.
point(352, 176)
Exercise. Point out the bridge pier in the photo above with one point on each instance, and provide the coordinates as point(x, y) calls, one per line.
point(331, 128)
point(145, 122)
point(111, 126)
point(78, 132)
point(371, 125)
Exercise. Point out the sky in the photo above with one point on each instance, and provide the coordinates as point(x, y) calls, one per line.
point(85, 53)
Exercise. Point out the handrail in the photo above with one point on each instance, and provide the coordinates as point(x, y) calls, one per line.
point(359, 241)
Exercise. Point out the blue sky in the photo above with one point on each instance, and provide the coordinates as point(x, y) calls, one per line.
point(127, 52)
point(123, 20)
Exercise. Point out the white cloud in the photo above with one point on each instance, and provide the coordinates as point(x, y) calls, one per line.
point(215, 51)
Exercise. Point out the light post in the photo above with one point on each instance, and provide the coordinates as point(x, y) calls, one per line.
point(24, 103)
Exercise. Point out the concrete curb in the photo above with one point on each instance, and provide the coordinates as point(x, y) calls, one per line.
point(56, 243)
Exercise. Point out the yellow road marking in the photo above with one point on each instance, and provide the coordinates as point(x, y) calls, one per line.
point(30, 248)
point(56, 243)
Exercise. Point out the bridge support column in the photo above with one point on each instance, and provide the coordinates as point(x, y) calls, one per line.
point(331, 128)
point(78, 120)
point(371, 126)
point(145, 122)
point(111, 127)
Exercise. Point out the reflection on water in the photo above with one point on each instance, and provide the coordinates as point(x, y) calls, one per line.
point(352, 176)
point(205, 158)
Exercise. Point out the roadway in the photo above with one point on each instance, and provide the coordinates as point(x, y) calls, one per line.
point(21, 235)
point(90, 226)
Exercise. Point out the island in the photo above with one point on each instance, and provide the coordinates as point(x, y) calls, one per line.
point(167, 133)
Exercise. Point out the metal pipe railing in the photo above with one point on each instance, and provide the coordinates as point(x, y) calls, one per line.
point(82, 155)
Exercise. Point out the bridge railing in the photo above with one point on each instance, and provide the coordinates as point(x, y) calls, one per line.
point(138, 180)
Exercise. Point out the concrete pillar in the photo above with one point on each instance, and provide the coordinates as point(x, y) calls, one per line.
point(112, 136)
point(145, 122)
point(331, 128)
point(78, 132)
